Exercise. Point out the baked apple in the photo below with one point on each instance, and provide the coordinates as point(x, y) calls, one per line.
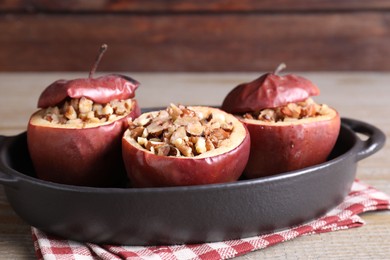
point(185, 146)
point(288, 129)
point(75, 137)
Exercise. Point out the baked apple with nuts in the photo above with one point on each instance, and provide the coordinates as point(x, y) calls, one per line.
point(288, 129)
point(75, 137)
point(185, 145)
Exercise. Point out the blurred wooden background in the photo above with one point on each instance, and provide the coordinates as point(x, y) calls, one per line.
point(202, 35)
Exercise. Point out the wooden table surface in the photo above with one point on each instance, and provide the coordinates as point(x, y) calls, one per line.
point(363, 96)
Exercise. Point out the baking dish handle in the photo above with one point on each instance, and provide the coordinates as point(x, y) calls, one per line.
point(5, 178)
point(375, 137)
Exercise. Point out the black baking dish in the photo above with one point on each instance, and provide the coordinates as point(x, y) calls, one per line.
point(193, 214)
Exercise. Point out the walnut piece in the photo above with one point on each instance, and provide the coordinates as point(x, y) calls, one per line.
point(83, 111)
point(180, 131)
point(290, 112)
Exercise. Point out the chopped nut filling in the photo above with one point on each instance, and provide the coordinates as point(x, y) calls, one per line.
point(180, 131)
point(290, 112)
point(83, 110)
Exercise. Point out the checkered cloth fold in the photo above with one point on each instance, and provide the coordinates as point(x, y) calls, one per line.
point(362, 198)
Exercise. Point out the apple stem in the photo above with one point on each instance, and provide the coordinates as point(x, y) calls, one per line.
point(279, 68)
point(102, 49)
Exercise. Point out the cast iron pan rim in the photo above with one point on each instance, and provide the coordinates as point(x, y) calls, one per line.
point(238, 184)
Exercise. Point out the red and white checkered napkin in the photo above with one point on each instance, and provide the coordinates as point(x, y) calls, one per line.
point(362, 198)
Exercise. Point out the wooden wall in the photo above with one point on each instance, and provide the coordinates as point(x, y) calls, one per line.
point(202, 35)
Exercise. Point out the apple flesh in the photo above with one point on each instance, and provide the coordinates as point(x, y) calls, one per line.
point(223, 164)
point(286, 146)
point(88, 156)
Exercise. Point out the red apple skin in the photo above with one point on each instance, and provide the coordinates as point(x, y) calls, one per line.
point(146, 169)
point(277, 149)
point(86, 157)
point(268, 91)
point(101, 90)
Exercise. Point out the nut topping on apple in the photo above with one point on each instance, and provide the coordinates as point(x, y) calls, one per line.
point(288, 129)
point(75, 137)
point(185, 146)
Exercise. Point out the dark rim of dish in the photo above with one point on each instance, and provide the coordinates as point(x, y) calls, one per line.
point(10, 142)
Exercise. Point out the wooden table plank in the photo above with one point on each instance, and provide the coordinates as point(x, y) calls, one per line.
point(196, 42)
point(361, 96)
point(151, 6)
